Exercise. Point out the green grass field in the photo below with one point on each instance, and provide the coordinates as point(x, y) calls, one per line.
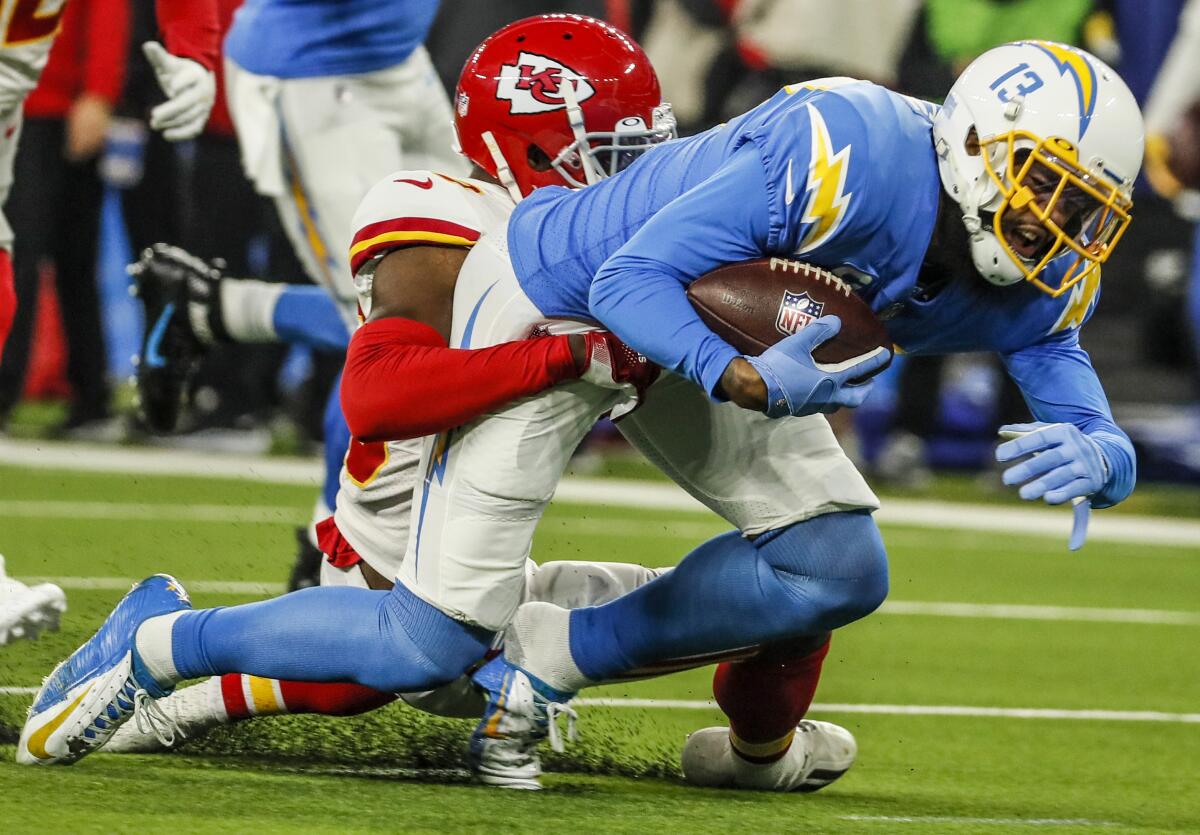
point(399, 770)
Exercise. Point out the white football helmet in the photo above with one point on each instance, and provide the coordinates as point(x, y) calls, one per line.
point(1059, 134)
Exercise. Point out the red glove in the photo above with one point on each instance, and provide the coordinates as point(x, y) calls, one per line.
point(613, 364)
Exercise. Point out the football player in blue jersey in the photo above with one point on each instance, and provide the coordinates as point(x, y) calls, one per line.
point(981, 225)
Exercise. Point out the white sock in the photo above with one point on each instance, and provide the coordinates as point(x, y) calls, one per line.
point(539, 641)
point(201, 703)
point(154, 647)
point(321, 512)
point(248, 309)
point(575, 584)
point(209, 695)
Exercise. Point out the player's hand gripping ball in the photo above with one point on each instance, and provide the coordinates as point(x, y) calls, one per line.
point(812, 340)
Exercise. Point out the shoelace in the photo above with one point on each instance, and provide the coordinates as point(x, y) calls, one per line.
point(553, 711)
point(151, 718)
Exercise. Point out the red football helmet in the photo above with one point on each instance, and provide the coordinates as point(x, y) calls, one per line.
point(558, 99)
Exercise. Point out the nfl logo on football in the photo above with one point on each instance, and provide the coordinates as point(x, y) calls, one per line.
point(796, 311)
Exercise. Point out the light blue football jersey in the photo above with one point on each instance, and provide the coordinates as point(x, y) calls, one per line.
point(843, 176)
point(314, 38)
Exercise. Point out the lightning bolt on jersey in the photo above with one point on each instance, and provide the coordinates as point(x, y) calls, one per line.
point(406, 208)
point(314, 38)
point(838, 173)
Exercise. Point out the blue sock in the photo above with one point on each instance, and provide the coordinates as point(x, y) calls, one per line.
point(390, 640)
point(337, 441)
point(309, 316)
point(730, 593)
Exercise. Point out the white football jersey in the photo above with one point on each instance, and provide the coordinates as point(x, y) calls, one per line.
point(406, 208)
point(29, 27)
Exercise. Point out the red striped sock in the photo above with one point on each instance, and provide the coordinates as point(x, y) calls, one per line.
point(767, 695)
point(245, 696)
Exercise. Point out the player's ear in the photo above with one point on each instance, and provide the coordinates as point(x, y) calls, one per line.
point(972, 142)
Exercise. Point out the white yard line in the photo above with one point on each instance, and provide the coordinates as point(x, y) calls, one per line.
point(998, 611)
point(1109, 527)
point(1016, 611)
point(135, 511)
point(1142, 530)
point(923, 710)
point(126, 583)
point(880, 710)
point(99, 458)
point(969, 821)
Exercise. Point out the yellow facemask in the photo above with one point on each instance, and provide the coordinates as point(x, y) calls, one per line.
point(1083, 212)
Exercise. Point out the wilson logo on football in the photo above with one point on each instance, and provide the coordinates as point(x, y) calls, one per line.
point(796, 311)
point(535, 84)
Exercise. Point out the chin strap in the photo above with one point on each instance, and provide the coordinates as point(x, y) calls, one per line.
point(575, 119)
point(503, 172)
point(970, 209)
point(986, 252)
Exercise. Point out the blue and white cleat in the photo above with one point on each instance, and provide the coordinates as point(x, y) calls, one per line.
point(88, 696)
point(521, 712)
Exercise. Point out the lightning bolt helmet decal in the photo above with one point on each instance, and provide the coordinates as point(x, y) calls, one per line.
point(1073, 65)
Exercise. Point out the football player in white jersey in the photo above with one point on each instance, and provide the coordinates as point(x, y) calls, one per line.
point(185, 74)
point(414, 230)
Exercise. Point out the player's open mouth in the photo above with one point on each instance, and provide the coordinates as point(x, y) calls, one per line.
point(1028, 240)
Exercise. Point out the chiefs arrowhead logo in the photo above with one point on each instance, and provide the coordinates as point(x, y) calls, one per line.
point(534, 84)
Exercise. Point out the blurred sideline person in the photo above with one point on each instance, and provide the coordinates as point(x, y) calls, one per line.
point(58, 188)
point(1174, 99)
point(183, 70)
point(717, 59)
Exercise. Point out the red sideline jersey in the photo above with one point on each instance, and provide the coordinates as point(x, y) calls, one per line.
point(189, 29)
point(87, 58)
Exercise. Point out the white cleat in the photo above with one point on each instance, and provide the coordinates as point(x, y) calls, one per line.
point(820, 753)
point(191, 711)
point(27, 611)
point(520, 713)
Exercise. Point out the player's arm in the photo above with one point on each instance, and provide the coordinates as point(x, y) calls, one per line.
point(402, 380)
point(1081, 450)
point(184, 69)
point(190, 29)
point(640, 294)
point(640, 291)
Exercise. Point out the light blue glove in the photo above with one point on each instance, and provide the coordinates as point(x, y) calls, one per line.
point(1068, 464)
point(1064, 465)
point(799, 385)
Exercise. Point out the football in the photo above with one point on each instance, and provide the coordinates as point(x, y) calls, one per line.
point(754, 304)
